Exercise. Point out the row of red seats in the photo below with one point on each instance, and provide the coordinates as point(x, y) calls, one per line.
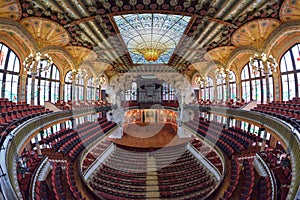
point(265, 189)
point(213, 136)
point(13, 114)
point(56, 181)
point(41, 191)
point(94, 153)
point(209, 153)
point(248, 179)
point(230, 141)
point(69, 105)
point(171, 103)
point(279, 162)
point(25, 168)
point(71, 181)
point(234, 179)
point(183, 177)
point(90, 137)
point(288, 111)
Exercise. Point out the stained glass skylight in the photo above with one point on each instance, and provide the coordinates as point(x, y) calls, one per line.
point(151, 36)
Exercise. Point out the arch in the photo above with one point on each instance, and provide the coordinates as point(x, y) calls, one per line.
point(290, 73)
point(285, 35)
point(17, 38)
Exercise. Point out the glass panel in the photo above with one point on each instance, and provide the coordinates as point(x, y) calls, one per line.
point(292, 86)
point(14, 89)
point(285, 84)
point(67, 91)
point(283, 67)
point(246, 90)
point(11, 62)
point(256, 90)
point(3, 54)
point(28, 91)
point(7, 91)
point(68, 77)
point(1, 84)
point(296, 54)
point(144, 32)
point(288, 60)
point(245, 73)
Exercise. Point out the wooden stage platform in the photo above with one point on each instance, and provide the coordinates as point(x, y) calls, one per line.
point(149, 135)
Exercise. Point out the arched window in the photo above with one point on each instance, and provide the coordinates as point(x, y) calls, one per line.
point(290, 73)
point(221, 88)
point(9, 73)
point(232, 85)
point(210, 89)
point(90, 92)
point(79, 89)
point(254, 84)
point(68, 86)
point(46, 85)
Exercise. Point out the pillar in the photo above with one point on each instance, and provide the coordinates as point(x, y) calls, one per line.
point(276, 86)
point(22, 90)
point(228, 95)
point(62, 91)
point(239, 89)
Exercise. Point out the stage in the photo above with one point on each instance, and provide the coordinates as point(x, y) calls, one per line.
point(149, 135)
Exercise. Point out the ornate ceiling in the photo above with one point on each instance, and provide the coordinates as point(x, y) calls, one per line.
point(88, 28)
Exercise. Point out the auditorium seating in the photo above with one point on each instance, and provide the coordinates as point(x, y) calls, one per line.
point(265, 190)
point(28, 163)
point(56, 181)
point(94, 153)
point(42, 192)
point(69, 105)
point(124, 174)
point(288, 111)
point(234, 179)
point(70, 142)
point(279, 163)
point(71, 181)
point(249, 177)
point(230, 140)
point(181, 175)
point(13, 114)
point(209, 153)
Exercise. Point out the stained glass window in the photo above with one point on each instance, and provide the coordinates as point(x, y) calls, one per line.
point(142, 32)
point(290, 73)
point(254, 84)
point(46, 85)
point(9, 73)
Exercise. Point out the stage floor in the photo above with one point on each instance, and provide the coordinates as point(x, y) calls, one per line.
point(149, 135)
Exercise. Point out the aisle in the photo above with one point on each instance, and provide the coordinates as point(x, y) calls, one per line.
point(152, 190)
